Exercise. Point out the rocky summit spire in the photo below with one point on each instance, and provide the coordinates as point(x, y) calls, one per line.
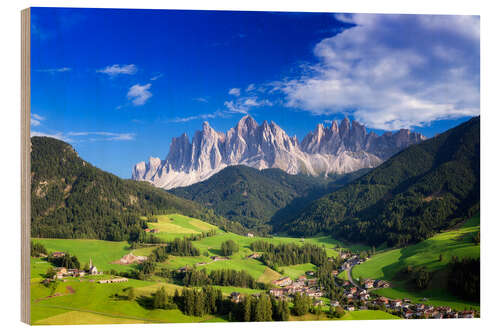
point(338, 149)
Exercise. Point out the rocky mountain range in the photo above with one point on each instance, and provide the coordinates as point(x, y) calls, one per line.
point(336, 149)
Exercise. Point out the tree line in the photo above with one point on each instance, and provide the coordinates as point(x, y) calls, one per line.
point(464, 278)
point(275, 256)
point(220, 277)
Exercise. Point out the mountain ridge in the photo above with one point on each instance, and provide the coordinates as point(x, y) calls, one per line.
point(421, 190)
point(70, 198)
point(336, 149)
point(254, 197)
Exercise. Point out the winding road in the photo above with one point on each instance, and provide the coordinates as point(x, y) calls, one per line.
point(349, 276)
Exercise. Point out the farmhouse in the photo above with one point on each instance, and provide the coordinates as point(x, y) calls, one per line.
point(277, 292)
point(254, 255)
point(58, 254)
point(369, 284)
point(236, 297)
point(284, 281)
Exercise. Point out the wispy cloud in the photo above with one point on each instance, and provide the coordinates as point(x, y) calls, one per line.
point(54, 70)
point(386, 81)
point(36, 119)
point(251, 87)
point(139, 94)
point(86, 136)
point(156, 77)
point(56, 135)
point(244, 104)
point(217, 114)
point(234, 91)
point(103, 136)
point(201, 99)
point(116, 69)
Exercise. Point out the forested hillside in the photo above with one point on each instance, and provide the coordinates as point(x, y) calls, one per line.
point(253, 197)
point(72, 199)
point(426, 188)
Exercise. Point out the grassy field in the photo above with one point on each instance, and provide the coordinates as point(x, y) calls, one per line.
point(268, 276)
point(368, 315)
point(295, 271)
point(175, 225)
point(387, 265)
point(101, 252)
point(99, 304)
point(82, 301)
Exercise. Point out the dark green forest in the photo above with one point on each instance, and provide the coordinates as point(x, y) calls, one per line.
point(256, 198)
point(70, 198)
point(422, 190)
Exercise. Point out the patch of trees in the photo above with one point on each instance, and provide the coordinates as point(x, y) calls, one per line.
point(229, 247)
point(275, 256)
point(199, 302)
point(204, 234)
point(159, 254)
point(67, 261)
point(327, 281)
point(220, 277)
point(301, 304)
point(464, 278)
point(208, 300)
point(182, 247)
point(420, 276)
point(260, 308)
point(37, 249)
point(422, 190)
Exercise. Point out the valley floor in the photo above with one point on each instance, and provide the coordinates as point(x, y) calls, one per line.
point(83, 301)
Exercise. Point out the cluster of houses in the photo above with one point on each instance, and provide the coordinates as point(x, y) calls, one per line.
point(302, 285)
point(369, 284)
point(154, 231)
point(350, 260)
point(409, 310)
point(62, 272)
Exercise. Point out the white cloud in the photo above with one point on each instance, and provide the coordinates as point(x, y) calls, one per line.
point(115, 70)
point(235, 107)
point(36, 119)
point(216, 114)
point(139, 94)
point(201, 100)
point(234, 91)
point(57, 135)
point(54, 70)
point(393, 71)
point(104, 136)
point(244, 104)
point(250, 87)
point(156, 77)
point(87, 136)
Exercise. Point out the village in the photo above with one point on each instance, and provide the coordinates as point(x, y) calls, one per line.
point(356, 297)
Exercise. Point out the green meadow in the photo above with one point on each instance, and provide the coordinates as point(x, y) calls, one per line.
point(387, 265)
point(101, 252)
point(368, 315)
point(82, 301)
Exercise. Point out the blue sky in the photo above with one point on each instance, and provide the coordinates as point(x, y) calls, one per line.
point(119, 84)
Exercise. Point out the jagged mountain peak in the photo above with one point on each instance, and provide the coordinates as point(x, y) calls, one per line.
point(337, 149)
